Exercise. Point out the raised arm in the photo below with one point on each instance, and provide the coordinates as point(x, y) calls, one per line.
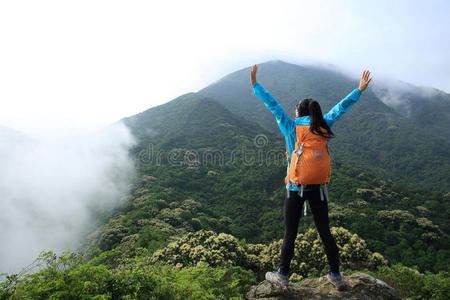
point(285, 123)
point(345, 104)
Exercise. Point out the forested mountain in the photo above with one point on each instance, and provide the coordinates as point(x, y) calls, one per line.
point(215, 160)
point(194, 148)
point(407, 139)
point(210, 188)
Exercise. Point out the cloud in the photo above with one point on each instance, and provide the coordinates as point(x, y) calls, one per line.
point(401, 95)
point(51, 191)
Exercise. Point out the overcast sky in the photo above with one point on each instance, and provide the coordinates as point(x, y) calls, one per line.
point(71, 66)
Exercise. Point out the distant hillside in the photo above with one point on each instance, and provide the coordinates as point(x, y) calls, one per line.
point(192, 121)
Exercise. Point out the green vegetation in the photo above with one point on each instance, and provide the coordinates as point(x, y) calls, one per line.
point(309, 259)
point(406, 226)
point(207, 265)
point(69, 277)
point(414, 285)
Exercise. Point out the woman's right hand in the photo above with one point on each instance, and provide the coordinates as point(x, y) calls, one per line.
point(364, 82)
point(253, 74)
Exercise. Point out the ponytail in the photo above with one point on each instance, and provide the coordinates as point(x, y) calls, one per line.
point(317, 120)
point(312, 108)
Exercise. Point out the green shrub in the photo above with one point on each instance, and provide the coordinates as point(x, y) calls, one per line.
point(410, 283)
point(69, 277)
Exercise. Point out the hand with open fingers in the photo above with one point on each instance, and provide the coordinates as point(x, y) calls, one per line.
point(364, 82)
point(253, 74)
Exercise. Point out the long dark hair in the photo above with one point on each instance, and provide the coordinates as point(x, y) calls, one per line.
point(310, 107)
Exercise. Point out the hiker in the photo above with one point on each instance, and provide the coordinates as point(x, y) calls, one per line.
point(312, 125)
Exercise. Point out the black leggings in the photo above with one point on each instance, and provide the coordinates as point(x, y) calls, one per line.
point(293, 205)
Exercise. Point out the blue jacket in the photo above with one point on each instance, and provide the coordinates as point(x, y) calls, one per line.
point(287, 125)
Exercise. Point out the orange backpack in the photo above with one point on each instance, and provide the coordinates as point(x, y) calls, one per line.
point(310, 162)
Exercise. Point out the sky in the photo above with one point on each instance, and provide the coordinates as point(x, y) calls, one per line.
point(69, 67)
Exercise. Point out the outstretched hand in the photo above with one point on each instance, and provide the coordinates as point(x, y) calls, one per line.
point(364, 82)
point(253, 74)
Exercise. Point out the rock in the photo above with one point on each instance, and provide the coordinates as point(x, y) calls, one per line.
point(360, 286)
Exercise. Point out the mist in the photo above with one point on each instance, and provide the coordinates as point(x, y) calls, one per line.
point(52, 190)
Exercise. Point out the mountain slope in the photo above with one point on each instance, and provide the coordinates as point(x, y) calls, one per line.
point(204, 149)
point(191, 121)
point(221, 172)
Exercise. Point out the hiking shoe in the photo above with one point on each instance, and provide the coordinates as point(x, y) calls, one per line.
point(277, 278)
point(337, 281)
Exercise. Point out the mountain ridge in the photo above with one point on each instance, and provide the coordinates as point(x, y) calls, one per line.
point(371, 134)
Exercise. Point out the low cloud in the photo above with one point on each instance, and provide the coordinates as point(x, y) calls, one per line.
point(51, 191)
point(401, 95)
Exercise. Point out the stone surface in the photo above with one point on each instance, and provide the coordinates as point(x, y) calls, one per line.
point(360, 286)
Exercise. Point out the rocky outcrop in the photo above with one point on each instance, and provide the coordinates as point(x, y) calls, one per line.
point(360, 286)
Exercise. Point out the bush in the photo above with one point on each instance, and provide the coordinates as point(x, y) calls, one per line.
point(409, 282)
point(203, 246)
point(69, 277)
point(309, 255)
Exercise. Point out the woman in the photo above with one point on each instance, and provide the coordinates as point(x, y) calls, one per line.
point(307, 112)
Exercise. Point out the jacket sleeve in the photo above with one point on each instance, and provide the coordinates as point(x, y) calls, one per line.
point(285, 123)
point(342, 107)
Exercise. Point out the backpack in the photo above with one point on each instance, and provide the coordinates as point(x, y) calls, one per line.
point(310, 163)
